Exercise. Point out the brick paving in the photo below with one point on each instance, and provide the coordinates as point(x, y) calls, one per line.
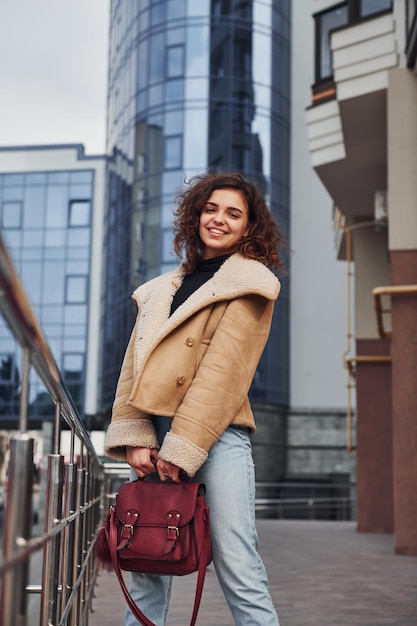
point(321, 574)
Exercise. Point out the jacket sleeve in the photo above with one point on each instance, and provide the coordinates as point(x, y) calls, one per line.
point(129, 426)
point(221, 383)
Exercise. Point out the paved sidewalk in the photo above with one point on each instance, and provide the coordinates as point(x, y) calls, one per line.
point(321, 574)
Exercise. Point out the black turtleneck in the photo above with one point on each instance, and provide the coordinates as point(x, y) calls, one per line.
point(204, 271)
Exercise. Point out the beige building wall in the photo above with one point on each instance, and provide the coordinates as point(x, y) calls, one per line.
point(371, 270)
point(402, 159)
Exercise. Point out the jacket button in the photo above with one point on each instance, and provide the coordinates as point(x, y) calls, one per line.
point(190, 342)
point(181, 380)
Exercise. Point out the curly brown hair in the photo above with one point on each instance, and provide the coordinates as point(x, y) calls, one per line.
point(263, 238)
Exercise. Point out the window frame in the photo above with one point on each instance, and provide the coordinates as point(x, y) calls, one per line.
point(20, 224)
point(73, 201)
point(178, 164)
point(68, 277)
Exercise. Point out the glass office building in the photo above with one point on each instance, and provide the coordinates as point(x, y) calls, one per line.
point(46, 218)
point(193, 85)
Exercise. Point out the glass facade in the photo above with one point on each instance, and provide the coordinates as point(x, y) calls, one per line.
point(46, 221)
point(192, 86)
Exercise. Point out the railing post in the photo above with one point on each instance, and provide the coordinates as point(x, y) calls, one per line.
point(18, 516)
point(78, 547)
point(68, 556)
point(51, 555)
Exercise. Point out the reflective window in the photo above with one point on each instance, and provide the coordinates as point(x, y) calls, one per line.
point(142, 65)
point(56, 207)
point(9, 385)
point(172, 181)
point(167, 251)
point(167, 214)
point(32, 254)
point(261, 59)
point(326, 23)
point(13, 238)
point(52, 315)
point(79, 191)
point(53, 283)
point(142, 101)
point(175, 35)
point(196, 125)
point(54, 253)
point(200, 8)
point(34, 209)
point(173, 152)
point(7, 369)
point(156, 96)
point(196, 89)
point(31, 274)
point(157, 13)
point(175, 61)
point(197, 51)
point(368, 7)
point(144, 21)
point(73, 364)
point(75, 314)
point(79, 237)
point(13, 180)
point(55, 238)
point(76, 289)
point(58, 178)
point(262, 14)
point(81, 178)
point(174, 90)
point(157, 70)
point(77, 267)
point(11, 215)
point(78, 253)
point(35, 178)
point(79, 213)
point(173, 122)
point(74, 344)
point(175, 9)
point(13, 193)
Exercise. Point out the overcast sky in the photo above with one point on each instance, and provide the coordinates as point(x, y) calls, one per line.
point(53, 72)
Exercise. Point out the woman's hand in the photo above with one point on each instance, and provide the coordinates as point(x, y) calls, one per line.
point(142, 460)
point(145, 461)
point(168, 471)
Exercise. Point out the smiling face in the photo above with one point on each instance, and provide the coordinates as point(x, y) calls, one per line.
point(223, 222)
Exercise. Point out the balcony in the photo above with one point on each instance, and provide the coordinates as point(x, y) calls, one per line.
point(347, 134)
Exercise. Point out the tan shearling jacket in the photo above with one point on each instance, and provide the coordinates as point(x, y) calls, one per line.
point(196, 365)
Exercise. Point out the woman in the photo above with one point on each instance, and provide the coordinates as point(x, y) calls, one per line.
point(181, 407)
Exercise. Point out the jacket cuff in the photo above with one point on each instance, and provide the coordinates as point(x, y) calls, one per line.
point(182, 453)
point(135, 433)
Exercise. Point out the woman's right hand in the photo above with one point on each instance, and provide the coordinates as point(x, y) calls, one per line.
point(142, 460)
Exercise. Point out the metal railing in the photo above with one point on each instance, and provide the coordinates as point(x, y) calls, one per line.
point(73, 491)
point(309, 500)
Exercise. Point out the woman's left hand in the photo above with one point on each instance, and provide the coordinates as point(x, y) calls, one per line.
point(168, 471)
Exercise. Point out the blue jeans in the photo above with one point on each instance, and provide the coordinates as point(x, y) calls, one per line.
point(229, 476)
